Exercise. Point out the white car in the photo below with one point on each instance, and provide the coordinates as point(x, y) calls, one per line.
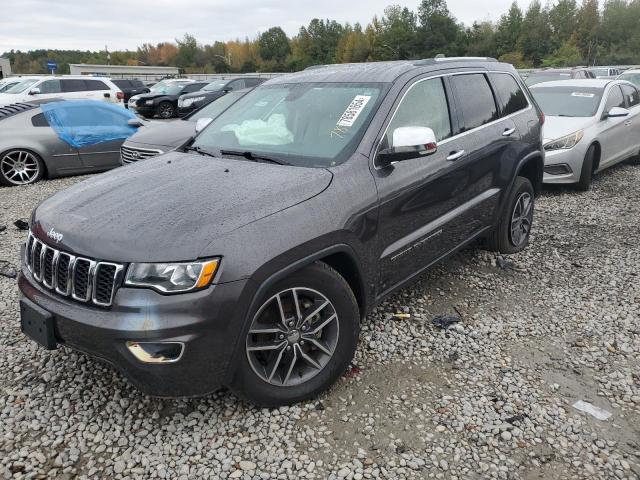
point(7, 83)
point(589, 125)
point(632, 76)
point(66, 87)
point(605, 72)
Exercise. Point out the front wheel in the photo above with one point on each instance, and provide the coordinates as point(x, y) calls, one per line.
point(514, 226)
point(301, 338)
point(20, 167)
point(586, 174)
point(166, 110)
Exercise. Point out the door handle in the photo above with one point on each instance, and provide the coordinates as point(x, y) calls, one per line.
point(455, 155)
point(508, 132)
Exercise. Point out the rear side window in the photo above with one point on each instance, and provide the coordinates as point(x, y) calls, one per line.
point(631, 94)
point(122, 83)
point(476, 100)
point(193, 87)
point(615, 99)
point(424, 105)
point(236, 85)
point(511, 97)
point(50, 86)
point(73, 85)
point(93, 85)
point(39, 120)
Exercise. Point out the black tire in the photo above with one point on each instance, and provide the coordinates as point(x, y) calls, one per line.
point(501, 239)
point(586, 174)
point(29, 158)
point(320, 277)
point(165, 110)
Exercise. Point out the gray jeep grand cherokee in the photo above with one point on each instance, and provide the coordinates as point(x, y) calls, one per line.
point(250, 259)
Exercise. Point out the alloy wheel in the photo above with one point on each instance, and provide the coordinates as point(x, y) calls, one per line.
point(292, 337)
point(166, 111)
point(521, 219)
point(19, 167)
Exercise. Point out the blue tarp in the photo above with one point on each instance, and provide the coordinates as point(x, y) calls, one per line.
point(81, 123)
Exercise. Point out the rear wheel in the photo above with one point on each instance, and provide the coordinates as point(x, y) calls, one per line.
point(301, 338)
point(514, 226)
point(586, 174)
point(20, 167)
point(166, 110)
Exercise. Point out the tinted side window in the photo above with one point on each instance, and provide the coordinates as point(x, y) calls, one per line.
point(122, 83)
point(39, 120)
point(73, 86)
point(136, 84)
point(615, 99)
point(424, 105)
point(631, 94)
point(476, 100)
point(194, 87)
point(50, 86)
point(94, 85)
point(236, 85)
point(251, 82)
point(511, 97)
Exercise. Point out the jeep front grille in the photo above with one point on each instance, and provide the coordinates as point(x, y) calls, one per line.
point(80, 278)
point(132, 155)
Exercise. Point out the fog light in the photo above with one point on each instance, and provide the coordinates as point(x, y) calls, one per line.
point(156, 352)
point(559, 169)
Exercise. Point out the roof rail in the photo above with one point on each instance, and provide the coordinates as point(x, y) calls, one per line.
point(433, 61)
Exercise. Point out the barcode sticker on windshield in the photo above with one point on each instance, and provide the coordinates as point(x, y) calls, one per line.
point(354, 109)
point(585, 95)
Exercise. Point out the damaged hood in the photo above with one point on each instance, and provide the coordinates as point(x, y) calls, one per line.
point(169, 208)
point(172, 134)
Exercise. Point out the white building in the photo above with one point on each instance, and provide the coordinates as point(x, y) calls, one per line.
point(123, 71)
point(5, 68)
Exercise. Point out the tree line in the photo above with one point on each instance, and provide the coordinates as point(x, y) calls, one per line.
point(562, 33)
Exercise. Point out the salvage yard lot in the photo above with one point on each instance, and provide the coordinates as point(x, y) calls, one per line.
point(490, 397)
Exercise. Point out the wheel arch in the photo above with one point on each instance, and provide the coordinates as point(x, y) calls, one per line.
point(598, 155)
point(33, 151)
point(531, 167)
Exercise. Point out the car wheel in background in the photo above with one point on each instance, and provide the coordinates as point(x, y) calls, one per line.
point(166, 110)
point(586, 174)
point(514, 226)
point(20, 167)
point(301, 338)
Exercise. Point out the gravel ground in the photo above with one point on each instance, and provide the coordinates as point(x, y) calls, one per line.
point(491, 397)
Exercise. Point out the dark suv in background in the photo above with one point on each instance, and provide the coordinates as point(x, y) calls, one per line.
point(131, 88)
point(250, 258)
point(190, 102)
point(162, 101)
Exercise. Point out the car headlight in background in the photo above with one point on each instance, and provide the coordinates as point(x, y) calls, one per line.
point(172, 277)
point(187, 102)
point(148, 102)
point(565, 143)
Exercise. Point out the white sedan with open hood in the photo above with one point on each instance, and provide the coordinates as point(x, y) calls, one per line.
point(590, 125)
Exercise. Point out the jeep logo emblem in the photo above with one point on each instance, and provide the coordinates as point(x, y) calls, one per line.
point(55, 236)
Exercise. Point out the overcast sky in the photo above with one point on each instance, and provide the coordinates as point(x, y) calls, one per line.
point(121, 25)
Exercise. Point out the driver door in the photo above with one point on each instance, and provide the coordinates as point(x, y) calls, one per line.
point(613, 131)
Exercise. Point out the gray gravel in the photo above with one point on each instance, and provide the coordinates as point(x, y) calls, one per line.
point(491, 397)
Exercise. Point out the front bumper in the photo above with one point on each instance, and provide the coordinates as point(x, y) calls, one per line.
point(208, 323)
point(568, 162)
point(146, 110)
point(182, 111)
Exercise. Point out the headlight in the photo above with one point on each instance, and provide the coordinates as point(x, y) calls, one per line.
point(148, 102)
point(172, 277)
point(190, 101)
point(565, 143)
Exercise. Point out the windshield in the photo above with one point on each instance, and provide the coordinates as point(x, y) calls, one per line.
point(6, 86)
point(215, 86)
point(568, 101)
point(215, 108)
point(22, 86)
point(168, 90)
point(600, 72)
point(631, 77)
point(307, 124)
point(535, 78)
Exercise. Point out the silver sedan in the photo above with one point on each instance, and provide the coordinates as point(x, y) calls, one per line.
point(590, 125)
point(86, 140)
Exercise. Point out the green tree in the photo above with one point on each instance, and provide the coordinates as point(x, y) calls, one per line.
point(187, 51)
point(567, 55)
point(536, 33)
point(274, 45)
point(396, 39)
point(481, 40)
point(588, 29)
point(509, 30)
point(563, 17)
point(438, 32)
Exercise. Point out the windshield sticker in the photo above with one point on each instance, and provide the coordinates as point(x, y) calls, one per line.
point(354, 109)
point(584, 95)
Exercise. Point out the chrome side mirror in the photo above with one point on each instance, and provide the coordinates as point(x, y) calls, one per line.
point(202, 123)
point(617, 112)
point(34, 91)
point(408, 143)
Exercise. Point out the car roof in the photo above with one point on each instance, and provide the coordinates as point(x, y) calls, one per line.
point(383, 72)
point(576, 82)
point(631, 70)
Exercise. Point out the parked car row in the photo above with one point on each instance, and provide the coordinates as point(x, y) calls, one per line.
point(266, 226)
point(68, 87)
